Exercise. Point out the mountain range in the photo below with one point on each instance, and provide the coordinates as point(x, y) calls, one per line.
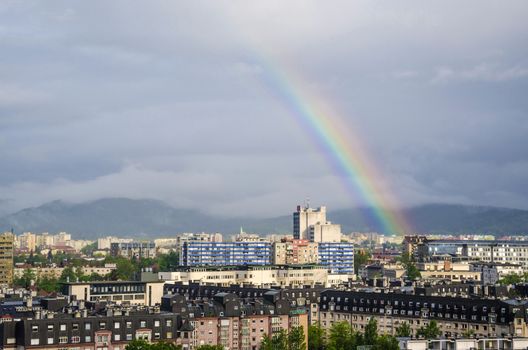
point(154, 218)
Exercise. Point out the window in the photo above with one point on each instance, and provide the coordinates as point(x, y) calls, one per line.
point(50, 340)
point(156, 323)
point(34, 328)
point(117, 325)
point(87, 339)
point(169, 335)
point(75, 339)
point(117, 337)
point(63, 327)
point(35, 341)
point(102, 324)
point(143, 324)
point(63, 340)
point(50, 327)
point(129, 337)
point(168, 323)
point(129, 324)
point(75, 326)
point(87, 326)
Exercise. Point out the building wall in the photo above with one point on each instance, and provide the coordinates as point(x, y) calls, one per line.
point(305, 217)
point(133, 293)
point(225, 253)
point(338, 258)
point(6, 258)
point(325, 232)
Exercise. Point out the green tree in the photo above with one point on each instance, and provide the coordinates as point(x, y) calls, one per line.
point(411, 271)
point(280, 340)
point(386, 342)
point(48, 283)
point(168, 262)
point(296, 339)
point(361, 258)
point(27, 278)
point(162, 345)
point(371, 332)
point(316, 340)
point(210, 347)
point(138, 345)
point(511, 279)
point(403, 330)
point(68, 275)
point(339, 337)
point(431, 331)
point(266, 343)
point(125, 270)
point(89, 249)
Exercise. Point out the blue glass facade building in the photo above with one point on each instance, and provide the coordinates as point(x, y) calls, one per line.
point(225, 253)
point(337, 257)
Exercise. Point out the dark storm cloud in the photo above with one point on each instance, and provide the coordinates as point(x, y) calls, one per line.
point(165, 100)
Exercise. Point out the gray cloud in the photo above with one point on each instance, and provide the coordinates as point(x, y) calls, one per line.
point(166, 100)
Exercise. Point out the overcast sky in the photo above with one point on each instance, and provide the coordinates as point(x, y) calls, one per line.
point(165, 100)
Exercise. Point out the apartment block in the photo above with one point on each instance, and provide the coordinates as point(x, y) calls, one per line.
point(133, 249)
point(338, 258)
point(225, 253)
point(118, 292)
point(6, 258)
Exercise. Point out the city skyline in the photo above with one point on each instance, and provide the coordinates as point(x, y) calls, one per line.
point(170, 102)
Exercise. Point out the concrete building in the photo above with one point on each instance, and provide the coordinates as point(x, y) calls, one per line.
point(118, 292)
point(6, 258)
point(27, 241)
point(225, 253)
point(338, 258)
point(311, 224)
point(305, 217)
point(488, 251)
point(491, 273)
point(325, 232)
point(294, 252)
point(133, 249)
point(264, 276)
point(56, 271)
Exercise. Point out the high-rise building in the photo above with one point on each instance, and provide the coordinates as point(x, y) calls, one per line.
point(305, 217)
point(338, 258)
point(6, 258)
point(28, 241)
point(311, 224)
point(325, 232)
point(196, 253)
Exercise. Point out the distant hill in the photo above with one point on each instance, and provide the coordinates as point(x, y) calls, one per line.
point(153, 218)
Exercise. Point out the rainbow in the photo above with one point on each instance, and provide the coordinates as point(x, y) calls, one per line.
point(344, 151)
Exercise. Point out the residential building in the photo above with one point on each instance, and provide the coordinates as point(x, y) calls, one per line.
point(455, 316)
point(264, 276)
point(294, 252)
point(325, 232)
point(200, 253)
point(27, 241)
point(118, 292)
point(304, 218)
point(6, 258)
point(492, 272)
point(135, 250)
point(338, 258)
point(488, 251)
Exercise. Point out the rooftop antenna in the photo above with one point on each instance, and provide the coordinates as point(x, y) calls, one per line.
point(307, 202)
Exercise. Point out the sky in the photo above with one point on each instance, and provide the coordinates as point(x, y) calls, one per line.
point(168, 100)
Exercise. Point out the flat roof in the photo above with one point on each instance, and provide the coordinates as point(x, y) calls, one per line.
point(111, 282)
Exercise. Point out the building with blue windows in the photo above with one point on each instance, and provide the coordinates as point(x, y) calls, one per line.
point(338, 258)
point(195, 253)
